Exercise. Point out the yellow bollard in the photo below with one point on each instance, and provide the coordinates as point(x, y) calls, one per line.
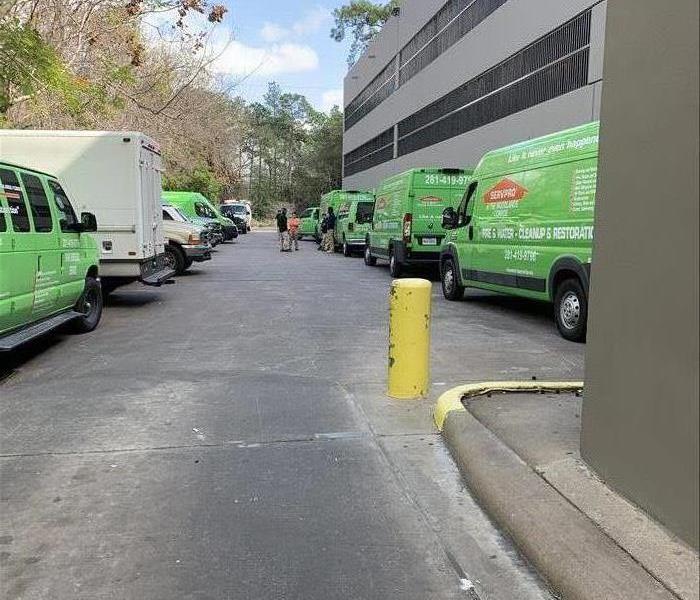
point(409, 338)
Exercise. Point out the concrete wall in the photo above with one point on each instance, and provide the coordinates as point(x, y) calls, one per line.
point(640, 416)
point(510, 28)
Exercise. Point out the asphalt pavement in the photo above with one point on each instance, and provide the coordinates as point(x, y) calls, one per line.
point(228, 437)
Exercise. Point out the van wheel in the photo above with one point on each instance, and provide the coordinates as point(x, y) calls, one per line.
point(346, 248)
point(89, 306)
point(451, 288)
point(394, 265)
point(571, 310)
point(370, 261)
point(174, 258)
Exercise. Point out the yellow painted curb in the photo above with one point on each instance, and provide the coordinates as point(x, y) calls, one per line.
point(451, 400)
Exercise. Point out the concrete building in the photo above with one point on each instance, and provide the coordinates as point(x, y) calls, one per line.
point(641, 406)
point(446, 81)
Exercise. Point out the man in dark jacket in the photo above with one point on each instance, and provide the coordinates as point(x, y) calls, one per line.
point(328, 244)
point(282, 229)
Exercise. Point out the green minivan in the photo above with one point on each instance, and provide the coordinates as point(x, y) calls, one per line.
point(48, 261)
point(341, 198)
point(195, 205)
point(309, 223)
point(407, 227)
point(353, 224)
point(525, 225)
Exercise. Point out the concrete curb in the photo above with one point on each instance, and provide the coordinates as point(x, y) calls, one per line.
point(451, 400)
point(576, 558)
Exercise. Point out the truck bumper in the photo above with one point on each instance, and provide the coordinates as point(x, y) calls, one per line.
point(407, 256)
point(198, 253)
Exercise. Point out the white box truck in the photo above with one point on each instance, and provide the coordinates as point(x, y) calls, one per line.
point(116, 175)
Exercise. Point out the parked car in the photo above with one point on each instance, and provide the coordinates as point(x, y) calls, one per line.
point(184, 243)
point(194, 204)
point(309, 224)
point(407, 225)
point(211, 230)
point(49, 262)
point(117, 176)
point(337, 199)
point(525, 225)
point(354, 224)
point(239, 212)
point(231, 211)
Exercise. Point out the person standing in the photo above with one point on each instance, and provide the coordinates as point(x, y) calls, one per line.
point(282, 228)
point(294, 224)
point(329, 237)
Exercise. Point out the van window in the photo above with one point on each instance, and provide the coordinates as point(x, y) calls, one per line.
point(39, 203)
point(19, 216)
point(3, 222)
point(166, 216)
point(67, 217)
point(307, 213)
point(203, 210)
point(365, 212)
point(464, 206)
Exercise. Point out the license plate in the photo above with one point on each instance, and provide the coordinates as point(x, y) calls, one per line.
point(430, 241)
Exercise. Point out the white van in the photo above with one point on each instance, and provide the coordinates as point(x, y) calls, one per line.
point(116, 175)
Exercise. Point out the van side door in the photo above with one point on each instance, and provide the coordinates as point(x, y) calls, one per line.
point(73, 256)
point(6, 276)
point(48, 268)
point(20, 259)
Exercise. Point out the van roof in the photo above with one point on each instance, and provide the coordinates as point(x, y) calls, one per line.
point(552, 148)
point(4, 163)
point(174, 195)
point(410, 173)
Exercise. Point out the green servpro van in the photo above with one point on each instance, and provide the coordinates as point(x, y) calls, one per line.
point(309, 223)
point(49, 263)
point(525, 225)
point(340, 200)
point(194, 204)
point(407, 225)
point(354, 223)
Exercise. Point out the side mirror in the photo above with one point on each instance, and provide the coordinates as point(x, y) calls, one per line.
point(88, 222)
point(449, 218)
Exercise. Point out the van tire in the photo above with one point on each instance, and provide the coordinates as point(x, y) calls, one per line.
point(90, 306)
point(346, 248)
point(175, 258)
point(451, 288)
point(370, 261)
point(571, 310)
point(394, 265)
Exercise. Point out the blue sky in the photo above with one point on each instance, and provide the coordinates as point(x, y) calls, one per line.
point(284, 41)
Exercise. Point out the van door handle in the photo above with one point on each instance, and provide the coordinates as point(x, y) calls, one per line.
point(471, 232)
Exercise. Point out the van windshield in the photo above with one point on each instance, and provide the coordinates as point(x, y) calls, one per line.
point(365, 212)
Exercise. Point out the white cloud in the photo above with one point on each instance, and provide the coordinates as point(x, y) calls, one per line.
point(312, 21)
point(241, 59)
point(309, 24)
point(331, 98)
point(271, 32)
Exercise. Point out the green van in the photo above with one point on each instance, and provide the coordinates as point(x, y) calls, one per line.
point(48, 262)
point(341, 198)
point(353, 224)
point(407, 227)
point(195, 205)
point(309, 223)
point(525, 225)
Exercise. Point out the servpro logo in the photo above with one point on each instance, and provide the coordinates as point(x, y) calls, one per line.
point(430, 200)
point(382, 203)
point(505, 191)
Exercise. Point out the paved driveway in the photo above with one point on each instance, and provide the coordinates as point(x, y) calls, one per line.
point(227, 437)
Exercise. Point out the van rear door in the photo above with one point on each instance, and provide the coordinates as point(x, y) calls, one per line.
point(432, 193)
point(153, 240)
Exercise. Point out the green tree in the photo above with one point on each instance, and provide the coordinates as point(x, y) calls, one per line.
point(362, 20)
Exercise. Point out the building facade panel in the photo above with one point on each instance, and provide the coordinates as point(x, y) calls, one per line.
point(502, 40)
